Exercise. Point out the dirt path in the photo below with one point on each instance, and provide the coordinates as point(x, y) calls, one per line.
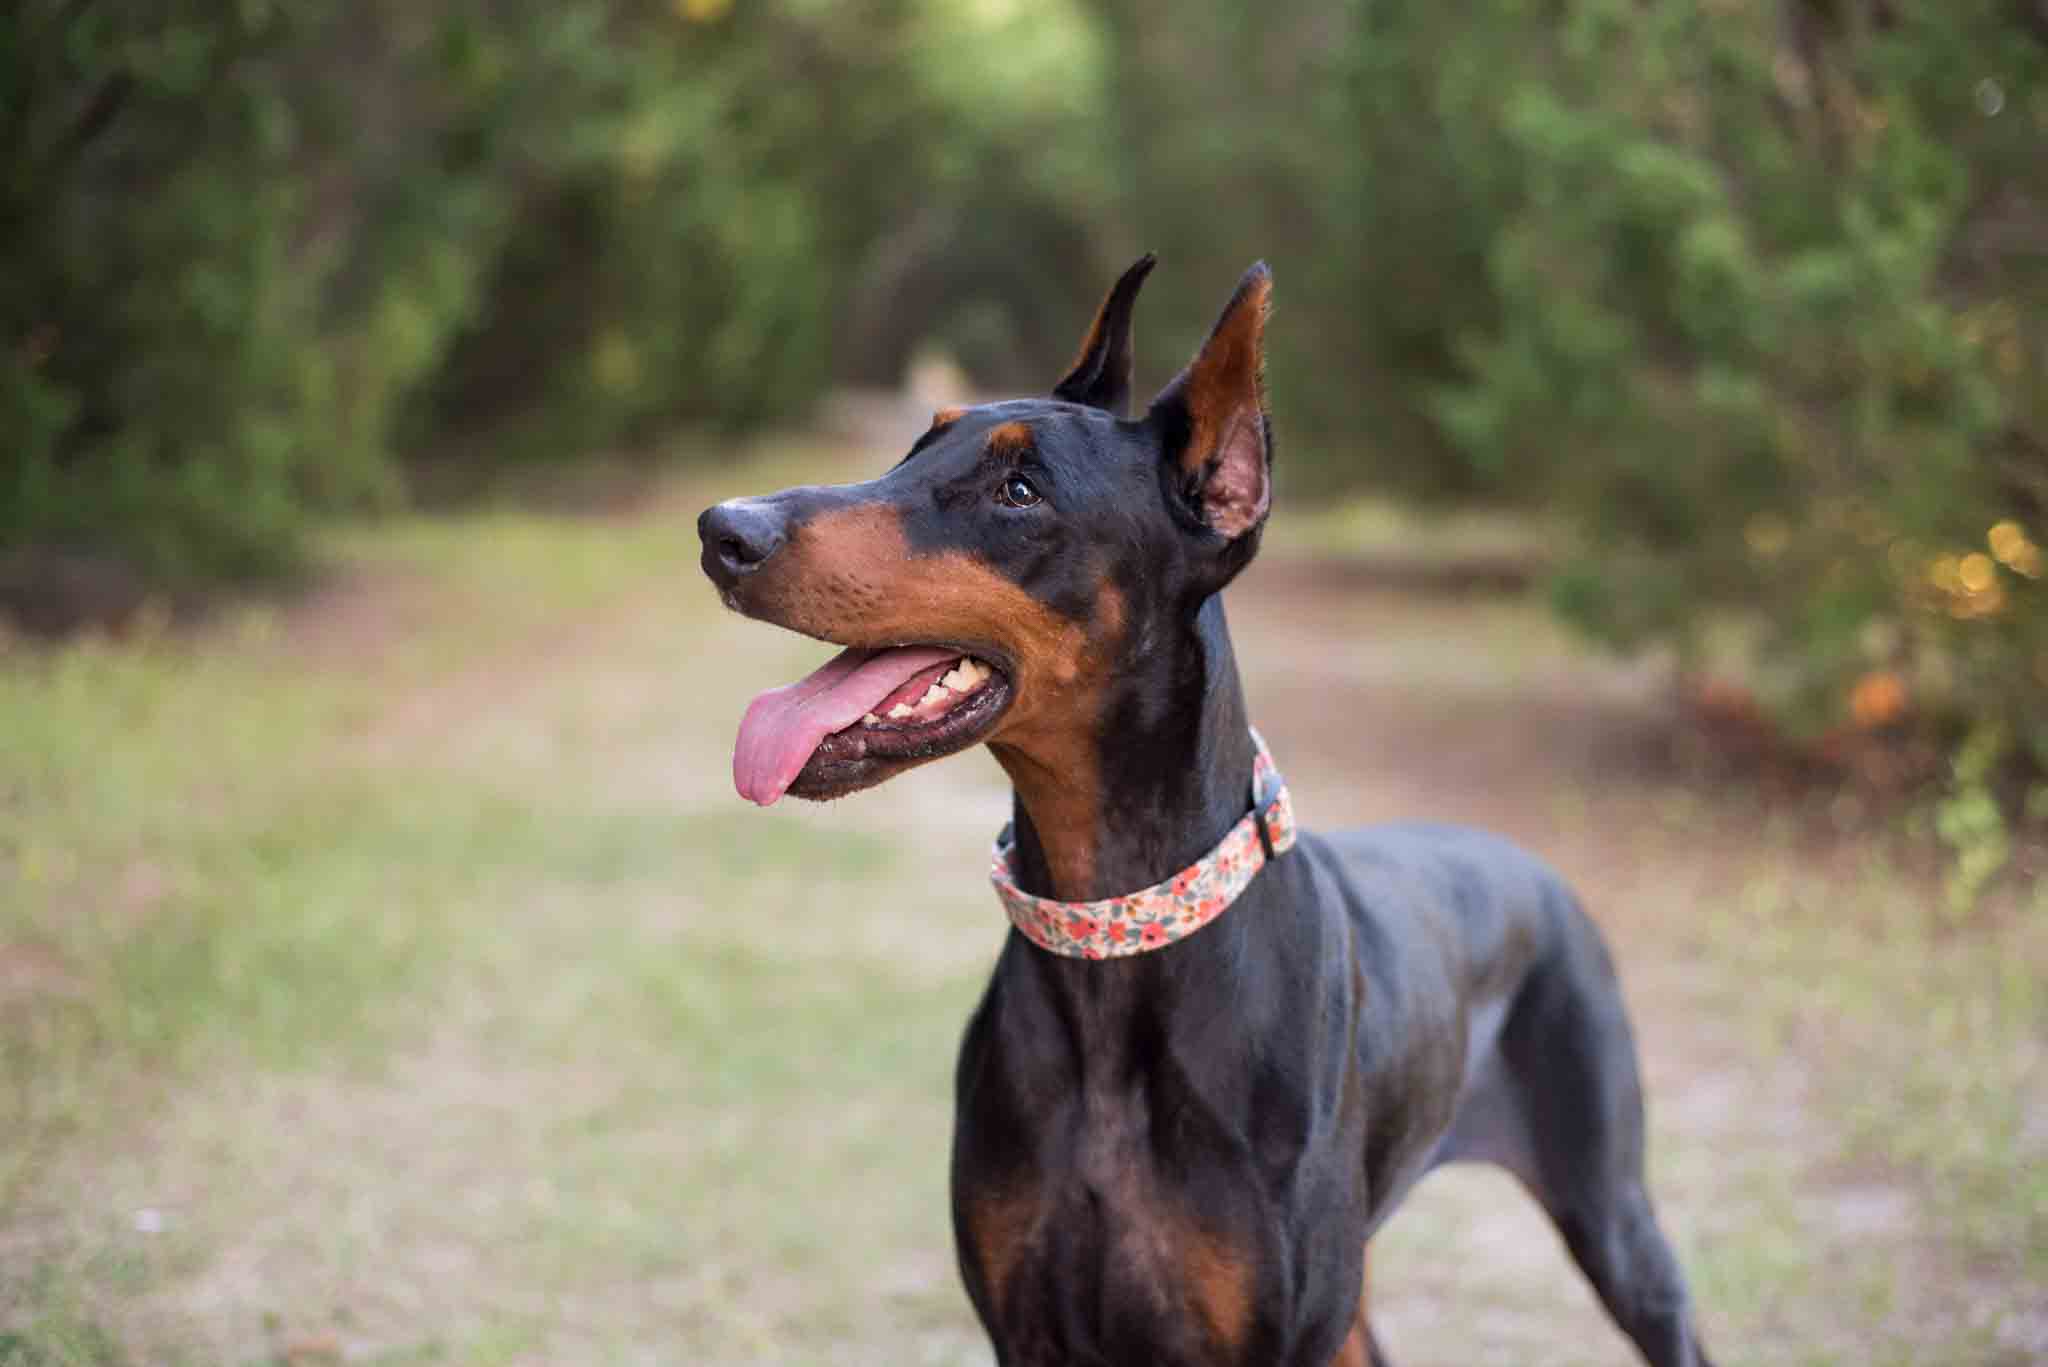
point(664, 1079)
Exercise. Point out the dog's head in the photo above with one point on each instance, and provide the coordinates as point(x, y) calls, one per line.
point(998, 583)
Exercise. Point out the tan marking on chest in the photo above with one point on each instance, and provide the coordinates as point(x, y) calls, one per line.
point(1198, 1276)
point(1000, 1227)
point(1222, 1283)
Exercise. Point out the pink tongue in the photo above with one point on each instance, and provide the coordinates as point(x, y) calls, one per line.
point(784, 725)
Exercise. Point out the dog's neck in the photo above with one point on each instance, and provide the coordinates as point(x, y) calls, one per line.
point(1171, 760)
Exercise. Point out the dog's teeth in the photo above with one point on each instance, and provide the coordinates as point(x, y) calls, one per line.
point(871, 720)
point(899, 711)
point(966, 675)
point(932, 694)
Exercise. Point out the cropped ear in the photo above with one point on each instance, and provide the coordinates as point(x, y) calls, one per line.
point(1212, 417)
point(1101, 377)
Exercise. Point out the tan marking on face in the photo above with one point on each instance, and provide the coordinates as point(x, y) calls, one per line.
point(1060, 785)
point(1052, 763)
point(850, 576)
point(1000, 1227)
point(946, 417)
point(1009, 438)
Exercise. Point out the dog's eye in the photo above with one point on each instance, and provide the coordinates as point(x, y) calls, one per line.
point(1019, 493)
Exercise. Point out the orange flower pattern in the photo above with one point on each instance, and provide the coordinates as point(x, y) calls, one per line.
point(1166, 912)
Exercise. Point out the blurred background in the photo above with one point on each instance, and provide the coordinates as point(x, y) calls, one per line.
point(387, 972)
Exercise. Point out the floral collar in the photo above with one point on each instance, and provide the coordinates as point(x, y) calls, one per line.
point(1159, 915)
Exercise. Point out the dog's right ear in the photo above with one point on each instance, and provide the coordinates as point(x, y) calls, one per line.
point(1101, 377)
point(1212, 417)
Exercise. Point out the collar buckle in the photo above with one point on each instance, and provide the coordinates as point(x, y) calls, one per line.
point(1265, 832)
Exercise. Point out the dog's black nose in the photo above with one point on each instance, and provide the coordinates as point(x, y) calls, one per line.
point(738, 536)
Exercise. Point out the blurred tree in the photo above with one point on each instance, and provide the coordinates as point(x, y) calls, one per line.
point(1752, 295)
point(1767, 288)
point(154, 378)
point(256, 252)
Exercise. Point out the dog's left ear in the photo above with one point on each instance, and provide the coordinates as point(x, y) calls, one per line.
point(1212, 417)
point(1101, 377)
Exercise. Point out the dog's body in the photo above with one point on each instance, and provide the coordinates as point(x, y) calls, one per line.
point(1178, 1157)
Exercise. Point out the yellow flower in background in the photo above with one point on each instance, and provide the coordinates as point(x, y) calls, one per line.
point(1969, 583)
point(2010, 544)
point(702, 11)
point(1976, 572)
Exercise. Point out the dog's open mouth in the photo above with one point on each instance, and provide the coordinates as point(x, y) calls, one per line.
point(862, 715)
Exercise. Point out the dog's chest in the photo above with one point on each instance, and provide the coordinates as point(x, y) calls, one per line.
point(1110, 1254)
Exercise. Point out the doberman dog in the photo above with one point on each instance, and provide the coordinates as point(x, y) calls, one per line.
point(1177, 1156)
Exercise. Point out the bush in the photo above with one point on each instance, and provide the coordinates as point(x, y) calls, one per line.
point(1752, 295)
point(1766, 332)
point(259, 254)
point(157, 378)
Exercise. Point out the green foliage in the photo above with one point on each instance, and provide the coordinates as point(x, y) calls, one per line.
point(1970, 820)
point(60, 1344)
point(1758, 335)
point(152, 376)
point(259, 253)
point(1751, 297)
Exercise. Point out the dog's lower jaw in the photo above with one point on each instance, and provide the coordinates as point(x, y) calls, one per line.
point(860, 757)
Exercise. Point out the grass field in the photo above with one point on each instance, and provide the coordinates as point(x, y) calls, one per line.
point(391, 976)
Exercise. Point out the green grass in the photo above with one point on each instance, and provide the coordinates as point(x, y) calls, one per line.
point(1935, 1041)
point(1917, 1052)
point(393, 974)
point(276, 930)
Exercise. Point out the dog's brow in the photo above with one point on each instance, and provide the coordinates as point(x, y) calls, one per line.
point(1008, 440)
